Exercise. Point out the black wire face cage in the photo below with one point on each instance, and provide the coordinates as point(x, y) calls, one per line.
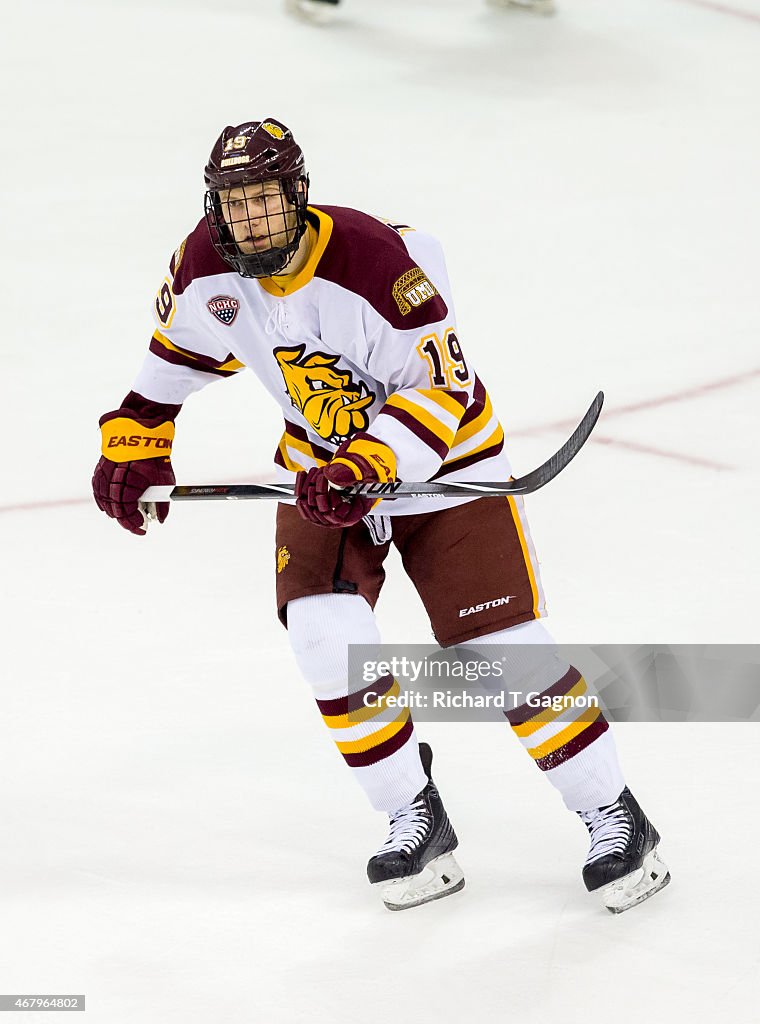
point(257, 227)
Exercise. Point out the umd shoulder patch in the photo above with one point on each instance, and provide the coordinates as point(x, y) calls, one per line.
point(412, 289)
point(177, 258)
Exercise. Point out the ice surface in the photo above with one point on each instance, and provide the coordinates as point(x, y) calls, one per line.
point(180, 840)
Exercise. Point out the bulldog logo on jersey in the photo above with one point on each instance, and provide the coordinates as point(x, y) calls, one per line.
point(328, 398)
point(224, 308)
point(412, 289)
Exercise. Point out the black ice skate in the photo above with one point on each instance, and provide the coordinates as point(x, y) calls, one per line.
point(416, 863)
point(622, 864)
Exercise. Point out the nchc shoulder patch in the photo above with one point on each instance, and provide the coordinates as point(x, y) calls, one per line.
point(224, 308)
point(412, 289)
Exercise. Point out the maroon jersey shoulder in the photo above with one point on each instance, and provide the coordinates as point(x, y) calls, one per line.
point(370, 259)
point(196, 257)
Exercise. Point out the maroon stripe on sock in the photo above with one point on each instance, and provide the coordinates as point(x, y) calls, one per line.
point(575, 746)
point(524, 713)
point(375, 754)
point(354, 701)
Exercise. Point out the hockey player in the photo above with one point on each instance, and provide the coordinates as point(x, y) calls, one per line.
point(349, 323)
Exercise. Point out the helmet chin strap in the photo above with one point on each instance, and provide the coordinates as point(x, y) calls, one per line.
point(271, 261)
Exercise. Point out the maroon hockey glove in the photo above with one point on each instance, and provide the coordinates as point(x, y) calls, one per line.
point(117, 487)
point(136, 455)
point(361, 460)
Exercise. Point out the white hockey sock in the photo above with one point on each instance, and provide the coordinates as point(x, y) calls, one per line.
point(380, 747)
point(572, 744)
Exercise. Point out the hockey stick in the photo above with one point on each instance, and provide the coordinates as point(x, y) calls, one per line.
point(388, 492)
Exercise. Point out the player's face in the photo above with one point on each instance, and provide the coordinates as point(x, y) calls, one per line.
point(260, 216)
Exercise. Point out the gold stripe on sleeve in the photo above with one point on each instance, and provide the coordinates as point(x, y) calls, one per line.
point(474, 426)
point(302, 446)
point(444, 399)
point(163, 340)
point(289, 463)
point(441, 431)
point(494, 438)
point(230, 366)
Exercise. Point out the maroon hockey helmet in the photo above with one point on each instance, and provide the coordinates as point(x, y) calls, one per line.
point(256, 234)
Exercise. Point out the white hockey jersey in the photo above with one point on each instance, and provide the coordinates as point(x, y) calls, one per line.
point(362, 338)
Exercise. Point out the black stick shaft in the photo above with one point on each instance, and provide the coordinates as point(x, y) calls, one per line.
point(389, 492)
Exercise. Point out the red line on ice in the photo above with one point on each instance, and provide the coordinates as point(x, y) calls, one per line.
point(38, 506)
point(33, 506)
point(651, 403)
point(699, 391)
point(645, 449)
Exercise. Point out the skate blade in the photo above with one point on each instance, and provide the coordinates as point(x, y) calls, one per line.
point(633, 889)
point(441, 877)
